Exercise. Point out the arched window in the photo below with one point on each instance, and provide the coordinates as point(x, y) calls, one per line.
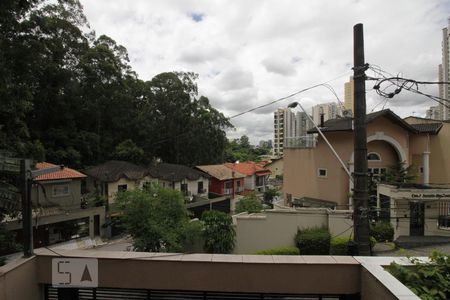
point(373, 156)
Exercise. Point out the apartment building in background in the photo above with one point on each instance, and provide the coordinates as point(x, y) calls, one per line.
point(330, 110)
point(288, 126)
point(444, 71)
point(434, 112)
point(349, 96)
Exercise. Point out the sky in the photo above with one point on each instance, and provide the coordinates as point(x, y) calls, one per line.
point(249, 53)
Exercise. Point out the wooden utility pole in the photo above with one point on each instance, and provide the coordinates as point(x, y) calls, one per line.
point(360, 192)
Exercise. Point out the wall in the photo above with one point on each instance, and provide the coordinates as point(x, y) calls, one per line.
point(276, 167)
point(249, 182)
point(439, 156)
point(218, 186)
point(113, 187)
point(277, 228)
point(73, 199)
point(18, 280)
point(192, 185)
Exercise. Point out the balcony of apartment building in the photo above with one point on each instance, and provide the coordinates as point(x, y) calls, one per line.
point(307, 141)
point(93, 274)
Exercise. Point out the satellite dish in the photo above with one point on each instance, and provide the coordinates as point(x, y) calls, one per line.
point(347, 113)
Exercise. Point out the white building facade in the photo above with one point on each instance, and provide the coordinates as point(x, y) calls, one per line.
point(444, 71)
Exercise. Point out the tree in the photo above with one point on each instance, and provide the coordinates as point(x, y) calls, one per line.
point(219, 232)
point(249, 203)
point(399, 173)
point(156, 218)
point(241, 150)
point(269, 194)
point(129, 151)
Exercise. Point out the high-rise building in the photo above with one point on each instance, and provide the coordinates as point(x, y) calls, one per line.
point(288, 125)
point(349, 94)
point(434, 112)
point(444, 72)
point(329, 110)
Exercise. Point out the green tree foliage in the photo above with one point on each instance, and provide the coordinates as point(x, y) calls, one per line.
point(269, 195)
point(428, 280)
point(72, 97)
point(157, 219)
point(219, 232)
point(249, 203)
point(241, 150)
point(129, 151)
point(400, 173)
point(382, 231)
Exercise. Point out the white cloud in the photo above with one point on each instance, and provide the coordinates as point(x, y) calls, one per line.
point(251, 52)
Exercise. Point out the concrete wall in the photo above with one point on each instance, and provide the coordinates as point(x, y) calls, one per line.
point(277, 228)
point(18, 280)
point(276, 167)
point(47, 199)
point(249, 182)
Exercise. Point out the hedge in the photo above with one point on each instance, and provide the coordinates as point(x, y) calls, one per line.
point(382, 231)
point(280, 251)
point(339, 245)
point(313, 241)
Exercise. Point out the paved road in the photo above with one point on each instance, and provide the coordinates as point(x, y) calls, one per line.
point(418, 251)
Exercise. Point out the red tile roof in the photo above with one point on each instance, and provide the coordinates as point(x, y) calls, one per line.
point(66, 173)
point(248, 168)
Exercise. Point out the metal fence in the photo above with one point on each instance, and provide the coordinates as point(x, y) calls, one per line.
point(307, 141)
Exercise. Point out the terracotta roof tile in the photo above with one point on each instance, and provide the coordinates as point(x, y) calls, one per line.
point(248, 168)
point(66, 173)
point(220, 172)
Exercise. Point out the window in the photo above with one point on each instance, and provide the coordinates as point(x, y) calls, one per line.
point(200, 187)
point(122, 188)
point(184, 188)
point(228, 187)
point(377, 174)
point(238, 186)
point(373, 156)
point(322, 172)
point(61, 190)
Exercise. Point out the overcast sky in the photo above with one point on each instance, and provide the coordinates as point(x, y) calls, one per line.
point(248, 53)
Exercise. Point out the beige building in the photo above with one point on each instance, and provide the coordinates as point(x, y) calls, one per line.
point(314, 172)
point(275, 166)
point(349, 94)
point(329, 111)
point(444, 72)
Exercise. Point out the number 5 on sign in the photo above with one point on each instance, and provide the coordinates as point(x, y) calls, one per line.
point(74, 272)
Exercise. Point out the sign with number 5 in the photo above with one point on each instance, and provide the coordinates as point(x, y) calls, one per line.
point(74, 272)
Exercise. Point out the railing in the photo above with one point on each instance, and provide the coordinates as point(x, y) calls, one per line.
point(307, 141)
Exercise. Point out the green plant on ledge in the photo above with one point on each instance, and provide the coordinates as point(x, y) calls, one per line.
point(428, 280)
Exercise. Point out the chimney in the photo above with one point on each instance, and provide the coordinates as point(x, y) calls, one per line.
point(322, 117)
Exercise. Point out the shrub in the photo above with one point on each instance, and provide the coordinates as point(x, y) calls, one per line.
point(382, 231)
point(250, 204)
point(339, 245)
point(280, 251)
point(218, 231)
point(313, 241)
point(428, 280)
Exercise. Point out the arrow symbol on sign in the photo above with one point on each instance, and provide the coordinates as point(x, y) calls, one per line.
point(86, 275)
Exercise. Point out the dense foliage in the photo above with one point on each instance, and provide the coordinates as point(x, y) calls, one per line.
point(428, 280)
point(249, 203)
point(280, 251)
point(72, 98)
point(219, 232)
point(269, 196)
point(400, 173)
point(313, 241)
point(156, 218)
point(241, 150)
point(339, 245)
point(382, 231)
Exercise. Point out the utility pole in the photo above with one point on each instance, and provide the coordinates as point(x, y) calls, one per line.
point(360, 193)
point(26, 182)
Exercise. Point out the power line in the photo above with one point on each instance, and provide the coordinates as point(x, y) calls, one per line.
point(325, 84)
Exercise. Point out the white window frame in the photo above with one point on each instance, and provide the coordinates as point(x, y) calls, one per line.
point(376, 153)
point(322, 169)
point(60, 186)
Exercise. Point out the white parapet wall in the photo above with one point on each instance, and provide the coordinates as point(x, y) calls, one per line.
point(277, 228)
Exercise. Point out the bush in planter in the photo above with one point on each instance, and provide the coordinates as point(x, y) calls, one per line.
point(313, 241)
point(280, 251)
point(382, 231)
point(339, 245)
